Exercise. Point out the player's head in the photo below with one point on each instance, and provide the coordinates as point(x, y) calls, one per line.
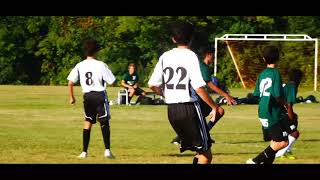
point(91, 47)
point(131, 68)
point(208, 54)
point(271, 54)
point(182, 33)
point(295, 75)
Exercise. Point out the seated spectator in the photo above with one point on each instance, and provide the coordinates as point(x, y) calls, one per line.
point(130, 82)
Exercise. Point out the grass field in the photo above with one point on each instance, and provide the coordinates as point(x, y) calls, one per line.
point(39, 126)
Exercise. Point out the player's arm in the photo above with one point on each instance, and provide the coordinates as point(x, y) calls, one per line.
point(291, 114)
point(207, 99)
point(136, 85)
point(229, 98)
point(155, 80)
point(291, 99)
point(107, 75)
point(124, 84)
point(197, 82)
point(73, 77)
point(278, 90)
point(282, 102)
point(71, 94)
point(157, 90)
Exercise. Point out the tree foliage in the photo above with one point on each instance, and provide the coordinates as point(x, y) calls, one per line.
point(43, 49)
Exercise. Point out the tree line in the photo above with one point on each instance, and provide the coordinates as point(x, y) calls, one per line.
point(42, 50)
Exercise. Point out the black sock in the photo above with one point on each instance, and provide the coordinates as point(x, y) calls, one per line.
point(129, 99)
point(86, 139)
point(139, 99)
point(195, 160)
point(211, 124)
point(105, 129)
point(267, 156)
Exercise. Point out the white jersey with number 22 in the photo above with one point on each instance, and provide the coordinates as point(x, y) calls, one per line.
point(179, 70)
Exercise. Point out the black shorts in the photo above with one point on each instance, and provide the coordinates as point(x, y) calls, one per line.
point(189, 124)
point(138, 91)
point(292, 125)
point(96, 105)
point(278, 132)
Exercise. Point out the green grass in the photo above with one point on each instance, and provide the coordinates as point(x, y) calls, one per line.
point(39, 126)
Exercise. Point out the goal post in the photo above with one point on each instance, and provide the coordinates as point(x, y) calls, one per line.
point(267, 37)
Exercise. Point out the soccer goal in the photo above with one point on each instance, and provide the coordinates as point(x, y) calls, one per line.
point(296, 50)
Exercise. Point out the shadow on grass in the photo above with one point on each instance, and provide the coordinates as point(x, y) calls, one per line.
point(228, 153)
point(241, 133)
point(253, 142)
point(241, 142)
point(236, 153)
point(309, 140)
point(178, 155)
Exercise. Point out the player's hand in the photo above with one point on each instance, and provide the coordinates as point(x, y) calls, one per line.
point(135, 86)
point(230, 100)
point(72, 100)
point(213, 114)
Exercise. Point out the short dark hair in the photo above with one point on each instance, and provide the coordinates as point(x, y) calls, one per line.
point(90, 47)
point(295, 75)
point(271, 54)
point(207, 50)
point(182, 32)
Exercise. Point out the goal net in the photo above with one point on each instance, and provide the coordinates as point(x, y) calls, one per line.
point(238, 57)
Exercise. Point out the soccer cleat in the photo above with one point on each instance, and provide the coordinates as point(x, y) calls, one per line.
point(108, 154)
point(290, 156)
point(281, 158)
point(83, 155)
point(250, 161)
point(175, 141)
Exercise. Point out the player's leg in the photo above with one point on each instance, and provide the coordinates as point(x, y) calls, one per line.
point(85, 139)
point(293, 132)
point(203, 157)
point(219, 115)
point(186, 123)
point(90, 118)
point(267, 156)
point(294, 135)
point(131, 94)
point(103, 111)
point(279, 140)
point(139, 92)
point(105, 129)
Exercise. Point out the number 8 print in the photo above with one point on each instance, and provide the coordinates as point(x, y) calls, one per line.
point(89, 80)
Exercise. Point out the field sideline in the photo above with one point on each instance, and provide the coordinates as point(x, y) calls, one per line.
point(39, 126)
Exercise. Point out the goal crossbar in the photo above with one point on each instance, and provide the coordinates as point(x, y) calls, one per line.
point(269, 37)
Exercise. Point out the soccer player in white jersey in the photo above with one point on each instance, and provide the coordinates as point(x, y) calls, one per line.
point(175, 74)
point(93, 76)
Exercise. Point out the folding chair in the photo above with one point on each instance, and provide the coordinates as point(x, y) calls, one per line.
point(123, 94)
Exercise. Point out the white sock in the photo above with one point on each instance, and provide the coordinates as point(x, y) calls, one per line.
point(281, 152)
point(292, 140)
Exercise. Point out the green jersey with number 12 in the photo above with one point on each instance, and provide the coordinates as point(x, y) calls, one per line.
point(268, 88)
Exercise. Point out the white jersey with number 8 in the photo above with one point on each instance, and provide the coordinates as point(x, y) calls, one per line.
point(93, 75)
point(178, 69)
